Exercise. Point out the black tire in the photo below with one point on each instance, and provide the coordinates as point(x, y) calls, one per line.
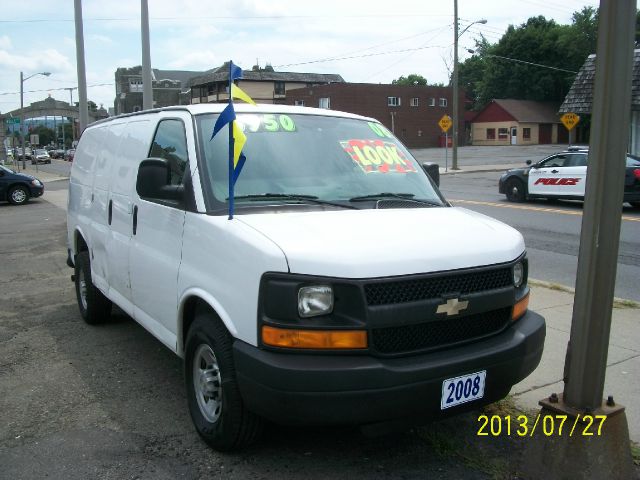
point(95, 307)
point(515, 190)
point(222, 420)
point(635, 204)
point(18, 195)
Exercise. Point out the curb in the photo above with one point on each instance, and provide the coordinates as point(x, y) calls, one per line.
point(617, 302)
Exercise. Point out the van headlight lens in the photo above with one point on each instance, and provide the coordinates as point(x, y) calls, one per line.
point(315, 300)
point(518, 274)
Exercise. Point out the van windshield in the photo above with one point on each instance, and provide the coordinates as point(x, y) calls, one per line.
point(331, 159)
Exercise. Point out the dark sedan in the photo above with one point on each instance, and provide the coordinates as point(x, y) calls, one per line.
point(18, 188)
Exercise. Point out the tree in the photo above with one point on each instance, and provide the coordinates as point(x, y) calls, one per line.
point(45, 135)
point(411, 79)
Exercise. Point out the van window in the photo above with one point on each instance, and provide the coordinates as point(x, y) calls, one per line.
point(330, 158)
point(170, 143)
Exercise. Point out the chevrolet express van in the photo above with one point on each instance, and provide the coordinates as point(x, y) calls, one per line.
point(344, 290)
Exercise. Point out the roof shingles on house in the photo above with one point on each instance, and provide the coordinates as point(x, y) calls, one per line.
point(530, 111)
point(267, 74)
point(580, 96)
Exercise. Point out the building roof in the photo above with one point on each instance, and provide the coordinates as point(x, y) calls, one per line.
point(221, 74)
point(182, 76)
point(530, 111)
point(580, 96)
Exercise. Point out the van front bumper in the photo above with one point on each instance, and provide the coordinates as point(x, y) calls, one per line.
point(303, 389)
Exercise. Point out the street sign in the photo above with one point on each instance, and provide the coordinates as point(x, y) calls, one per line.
point(570, 120)
point(445, 123)
point(12, 120)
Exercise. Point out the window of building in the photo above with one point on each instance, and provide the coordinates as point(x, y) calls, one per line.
point(526, 133)
point(503, 133)
point(432, 102)
point(299, 103)
point(415, 101)
point(324, 103)
point(135, 85)
point(393, 101)
point(443, 102)
point(491, 133)
point(170, 143)
point(419, 133)
point(278, 88)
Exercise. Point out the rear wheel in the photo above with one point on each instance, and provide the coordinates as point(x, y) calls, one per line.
point(215, 404)
point(515, 190)
point(94, 306)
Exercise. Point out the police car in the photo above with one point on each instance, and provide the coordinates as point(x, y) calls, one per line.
point(563, 176)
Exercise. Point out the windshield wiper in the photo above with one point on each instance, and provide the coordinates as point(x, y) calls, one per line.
point(291, 196)
point(402, 196)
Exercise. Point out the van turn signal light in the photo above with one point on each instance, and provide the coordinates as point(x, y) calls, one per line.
point(316, 339)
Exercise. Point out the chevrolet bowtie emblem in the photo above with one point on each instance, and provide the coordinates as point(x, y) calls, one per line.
point(453, 306)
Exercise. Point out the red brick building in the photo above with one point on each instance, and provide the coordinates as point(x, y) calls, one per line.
point(410, 111)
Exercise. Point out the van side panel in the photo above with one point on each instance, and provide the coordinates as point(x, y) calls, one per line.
point(227, 258)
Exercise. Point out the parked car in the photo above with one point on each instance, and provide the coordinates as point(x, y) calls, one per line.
point(314, 304)
point(68, 156)
point(18, 188)
point(57, 153)
point(563, 176)
point(41, 156)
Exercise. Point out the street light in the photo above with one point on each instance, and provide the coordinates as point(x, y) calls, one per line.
point(22, 80)
point(456, 37)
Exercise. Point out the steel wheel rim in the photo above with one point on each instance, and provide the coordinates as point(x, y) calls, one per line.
point(207, 383)
point(18, 195)
point(82, 289)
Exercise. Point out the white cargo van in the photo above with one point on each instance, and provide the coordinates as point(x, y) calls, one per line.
point(345, 290)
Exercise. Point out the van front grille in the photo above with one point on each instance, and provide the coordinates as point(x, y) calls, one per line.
point(413, 289)
point(441, 333)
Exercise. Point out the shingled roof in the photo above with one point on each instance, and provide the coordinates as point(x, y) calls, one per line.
point(580, 96)
point(221, 74)
point(530, 111)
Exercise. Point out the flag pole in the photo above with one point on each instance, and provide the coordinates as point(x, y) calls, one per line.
point(231, 145)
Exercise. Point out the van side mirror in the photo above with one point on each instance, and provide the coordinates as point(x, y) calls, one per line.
point(154, 181)
point(433, 170)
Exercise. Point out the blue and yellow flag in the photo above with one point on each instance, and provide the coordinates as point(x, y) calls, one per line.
point(237, 138)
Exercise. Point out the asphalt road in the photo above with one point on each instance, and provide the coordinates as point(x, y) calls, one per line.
point(108, 401)
point(551, 230)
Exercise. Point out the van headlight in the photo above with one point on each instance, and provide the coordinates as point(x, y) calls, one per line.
point(518, 274)
point(315, 300)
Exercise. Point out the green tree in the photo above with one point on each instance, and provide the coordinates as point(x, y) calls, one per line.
point(411, 79)
point(45, 135)
point(91, 106)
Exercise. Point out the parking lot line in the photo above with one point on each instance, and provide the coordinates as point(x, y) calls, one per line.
point(528, 207)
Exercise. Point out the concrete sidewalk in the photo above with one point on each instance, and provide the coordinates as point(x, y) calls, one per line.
point(623, 363)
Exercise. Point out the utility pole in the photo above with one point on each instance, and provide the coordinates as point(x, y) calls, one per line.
point(454, 113)
point(83, 111)
point(147, 89)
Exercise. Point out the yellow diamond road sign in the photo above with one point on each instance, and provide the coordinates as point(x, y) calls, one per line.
point(570, 120)
point(445, 123)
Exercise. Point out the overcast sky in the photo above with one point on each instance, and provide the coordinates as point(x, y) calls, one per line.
point(385, 39)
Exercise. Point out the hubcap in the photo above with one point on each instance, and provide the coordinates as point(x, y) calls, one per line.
point(82, 284)
point(207, 383)
point(18, 195)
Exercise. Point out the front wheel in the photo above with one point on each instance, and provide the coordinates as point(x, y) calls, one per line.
point(18, 195)
point(515, 190)
point(94, 306)
point(215, 404)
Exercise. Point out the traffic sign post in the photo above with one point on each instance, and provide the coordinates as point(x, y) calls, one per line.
point(445, 124)
point(570, 120)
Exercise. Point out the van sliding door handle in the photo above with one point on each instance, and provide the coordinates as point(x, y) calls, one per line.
point(110, 215)
point(135, 219)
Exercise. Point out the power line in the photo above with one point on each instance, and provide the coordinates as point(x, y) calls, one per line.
point(528, 63)
point(54, 89)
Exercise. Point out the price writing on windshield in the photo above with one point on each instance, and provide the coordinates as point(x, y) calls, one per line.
point(266, 123)
point(377, 156)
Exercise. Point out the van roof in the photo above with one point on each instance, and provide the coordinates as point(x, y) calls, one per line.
point(241, 108)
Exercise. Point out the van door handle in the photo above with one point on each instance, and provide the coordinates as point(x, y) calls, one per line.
point(110, 211)
point(135, 219)
point(554, 171)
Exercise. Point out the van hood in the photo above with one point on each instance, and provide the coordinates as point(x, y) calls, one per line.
point(386, 242)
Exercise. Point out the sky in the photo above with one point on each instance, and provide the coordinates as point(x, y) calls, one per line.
point(364, 41)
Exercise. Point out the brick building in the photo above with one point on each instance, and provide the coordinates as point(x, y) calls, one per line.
point(412, 112)
point(170, 87)
point(263, 85)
